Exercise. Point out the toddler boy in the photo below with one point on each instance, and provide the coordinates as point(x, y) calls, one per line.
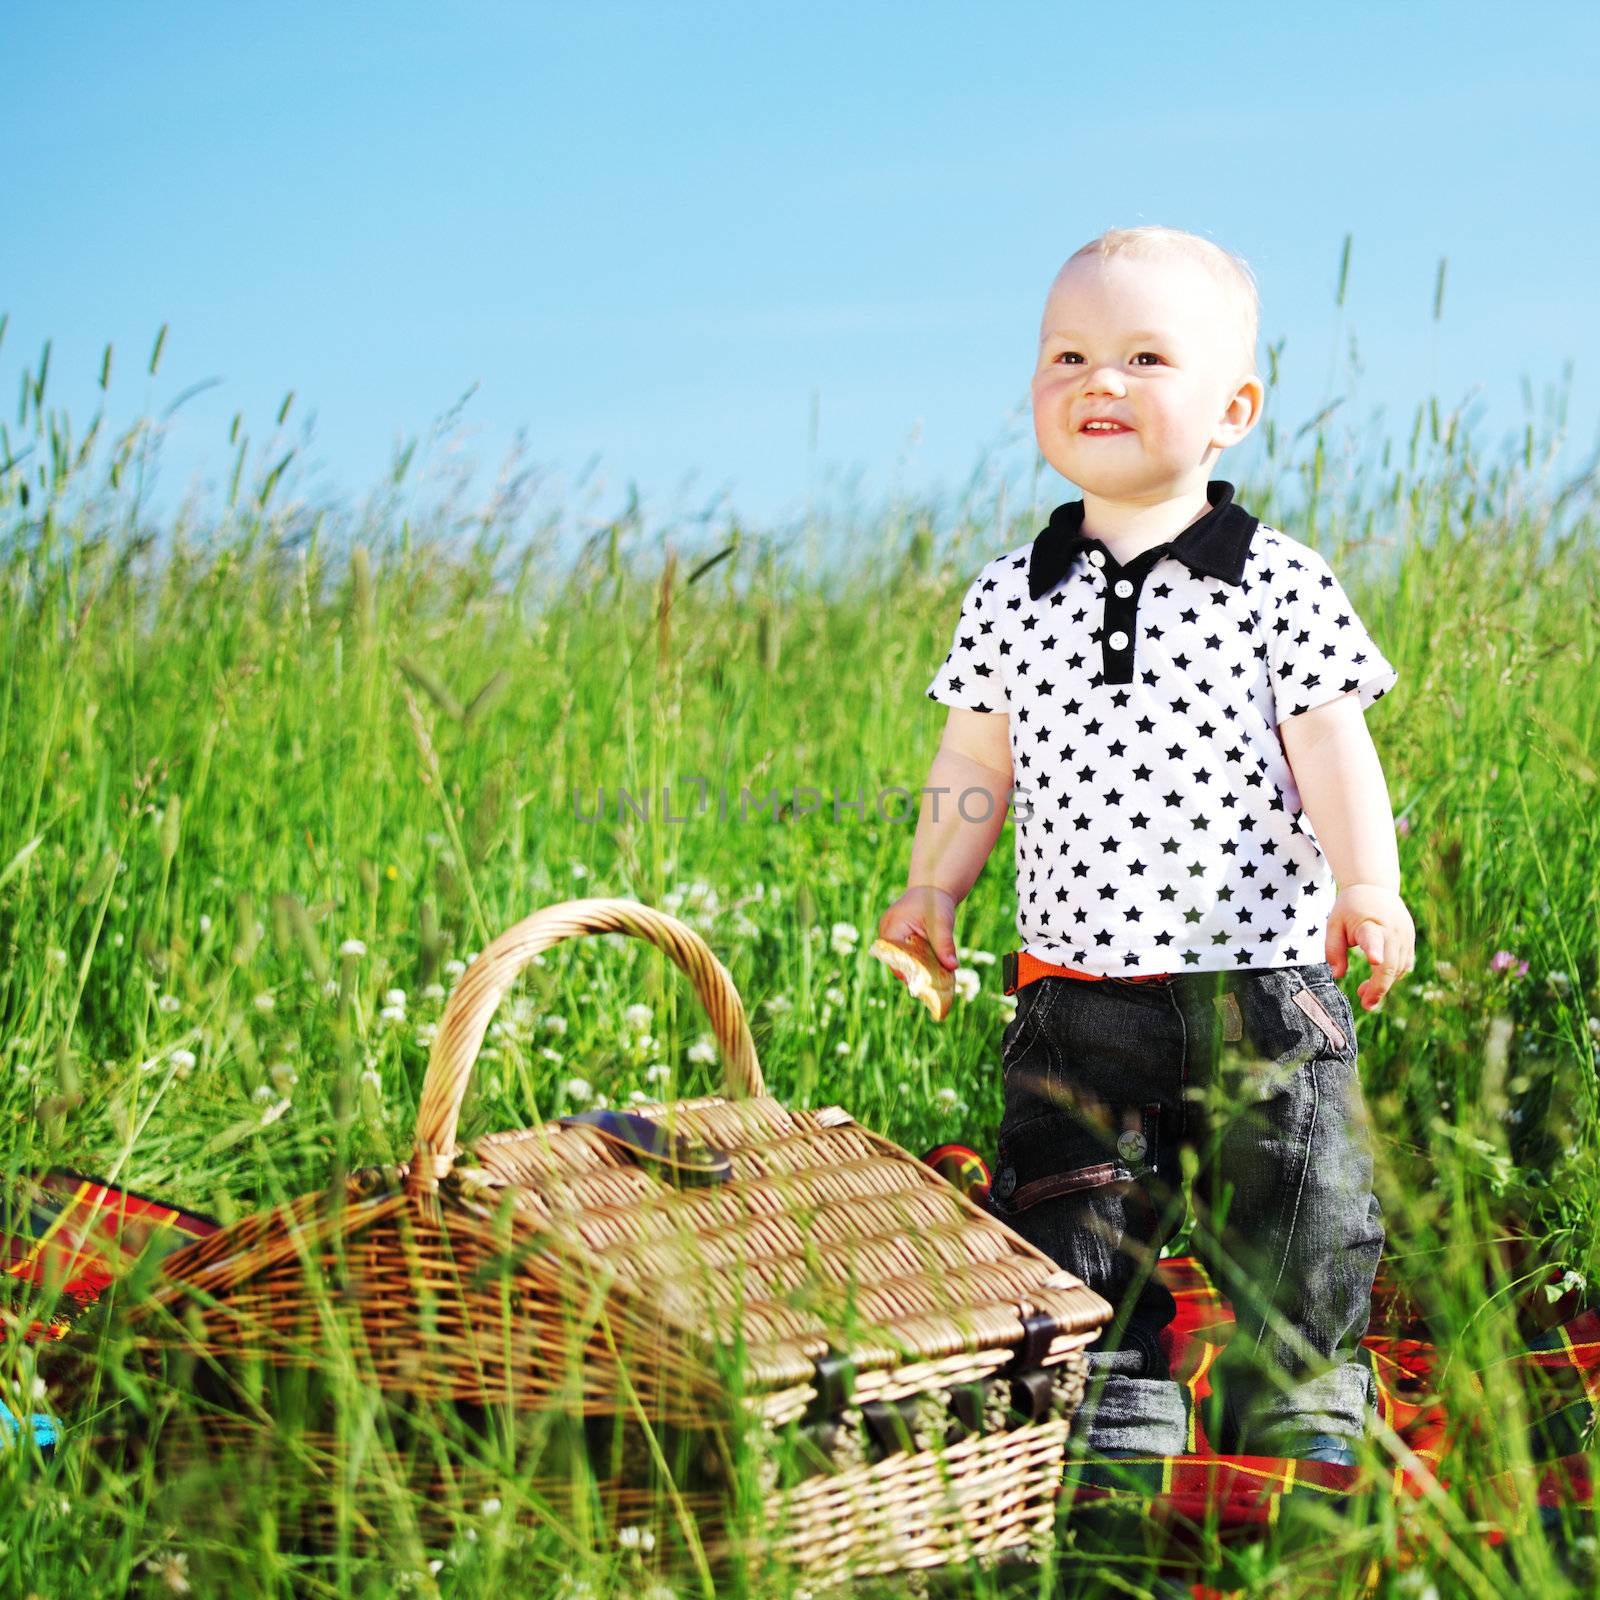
point(1177, 689)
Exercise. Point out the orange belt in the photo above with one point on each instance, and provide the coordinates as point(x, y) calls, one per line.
point(1018, 969)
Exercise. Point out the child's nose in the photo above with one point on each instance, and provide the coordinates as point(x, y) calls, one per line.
point(1104, 380)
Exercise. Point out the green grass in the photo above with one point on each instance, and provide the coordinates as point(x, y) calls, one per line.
point(225, 840)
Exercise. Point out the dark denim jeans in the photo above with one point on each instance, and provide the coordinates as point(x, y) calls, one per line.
point(1107, 1085)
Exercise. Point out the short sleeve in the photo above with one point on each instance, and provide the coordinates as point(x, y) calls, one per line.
point(1318, 648)
point(971, 677)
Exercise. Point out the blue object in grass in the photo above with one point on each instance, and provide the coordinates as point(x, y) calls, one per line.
point(44, 1428)
point(646, 1140)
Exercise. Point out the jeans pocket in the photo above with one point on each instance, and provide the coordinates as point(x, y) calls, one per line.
point(1283, 1025)
point(1060, 1153)
point(1023, 1029)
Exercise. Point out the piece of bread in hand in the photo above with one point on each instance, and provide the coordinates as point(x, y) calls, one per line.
point(927, 977)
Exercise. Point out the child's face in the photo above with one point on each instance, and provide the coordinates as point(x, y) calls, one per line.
point(1151, 344)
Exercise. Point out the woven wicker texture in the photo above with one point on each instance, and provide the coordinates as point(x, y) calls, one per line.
point(548, 1266)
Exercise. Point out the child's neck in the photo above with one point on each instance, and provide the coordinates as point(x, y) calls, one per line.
point(1127, 530)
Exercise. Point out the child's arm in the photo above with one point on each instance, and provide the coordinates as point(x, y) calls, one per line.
point(1343, 794)
point(973, 770)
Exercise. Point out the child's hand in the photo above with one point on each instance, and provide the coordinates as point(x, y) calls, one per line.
point(1375, 920)
point(928, 911)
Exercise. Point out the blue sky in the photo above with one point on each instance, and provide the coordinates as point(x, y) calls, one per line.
point(659, 234)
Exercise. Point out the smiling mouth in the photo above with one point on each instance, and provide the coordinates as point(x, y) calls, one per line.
point(1104, 433)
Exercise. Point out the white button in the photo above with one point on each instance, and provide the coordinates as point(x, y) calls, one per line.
point(1098, 557)
point(1118, 639)
point(1124, 587)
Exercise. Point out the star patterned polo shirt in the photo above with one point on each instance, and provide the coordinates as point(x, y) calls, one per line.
point(1158, 827)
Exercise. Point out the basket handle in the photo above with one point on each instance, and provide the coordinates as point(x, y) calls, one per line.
point(476, 996)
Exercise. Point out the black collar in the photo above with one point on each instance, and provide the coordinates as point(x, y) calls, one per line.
point(1216, 545)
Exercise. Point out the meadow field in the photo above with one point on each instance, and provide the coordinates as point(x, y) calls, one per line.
point(271, 776)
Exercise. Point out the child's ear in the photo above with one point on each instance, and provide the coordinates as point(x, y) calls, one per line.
point(1244, 410)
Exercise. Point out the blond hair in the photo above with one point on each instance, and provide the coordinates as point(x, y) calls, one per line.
point(1231, 272)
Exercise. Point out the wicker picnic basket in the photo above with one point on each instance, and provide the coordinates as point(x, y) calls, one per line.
point(781, 1276)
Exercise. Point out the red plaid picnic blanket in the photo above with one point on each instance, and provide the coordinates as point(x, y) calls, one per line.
point(74, 1234)
point(1238, 1495)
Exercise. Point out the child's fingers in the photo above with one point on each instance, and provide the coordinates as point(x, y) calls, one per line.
point(1387, 953)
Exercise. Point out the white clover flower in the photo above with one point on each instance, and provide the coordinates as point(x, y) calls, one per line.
point(168, 1002)
point(427, 1032)
point(55, 956)
point(372, 1078)
point(1569, 1280)
point(183, 1060)
point(116, 941)
point(658, 1072)
point(637, 1097)
point(636, 1537)
point(171, 1568)
point(433, 991)
point(1594, 1027)
point(263, 1092)
point(979, 958)
point(472, 955)
point(638, 1017)
point(490, 1506)
point(777, 1004)
point(644, 1043)
point(352, 947)
point(265, 1002)
point(330, 987)
point(844, 938)
point(833, 994)
point(549, 1054)
point(454, 968)
point(842, 1048)
point(968, 983)
point(394, 997)
point(579, 870)
point(672, 901)
point(578, 1088)
point(393, 1013)
point(205, 923)
point(554, 1023)
point(1007, 1003)
point(744, 928)
point(703, 1051)
point(1434, 996)
point(946, 1096)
